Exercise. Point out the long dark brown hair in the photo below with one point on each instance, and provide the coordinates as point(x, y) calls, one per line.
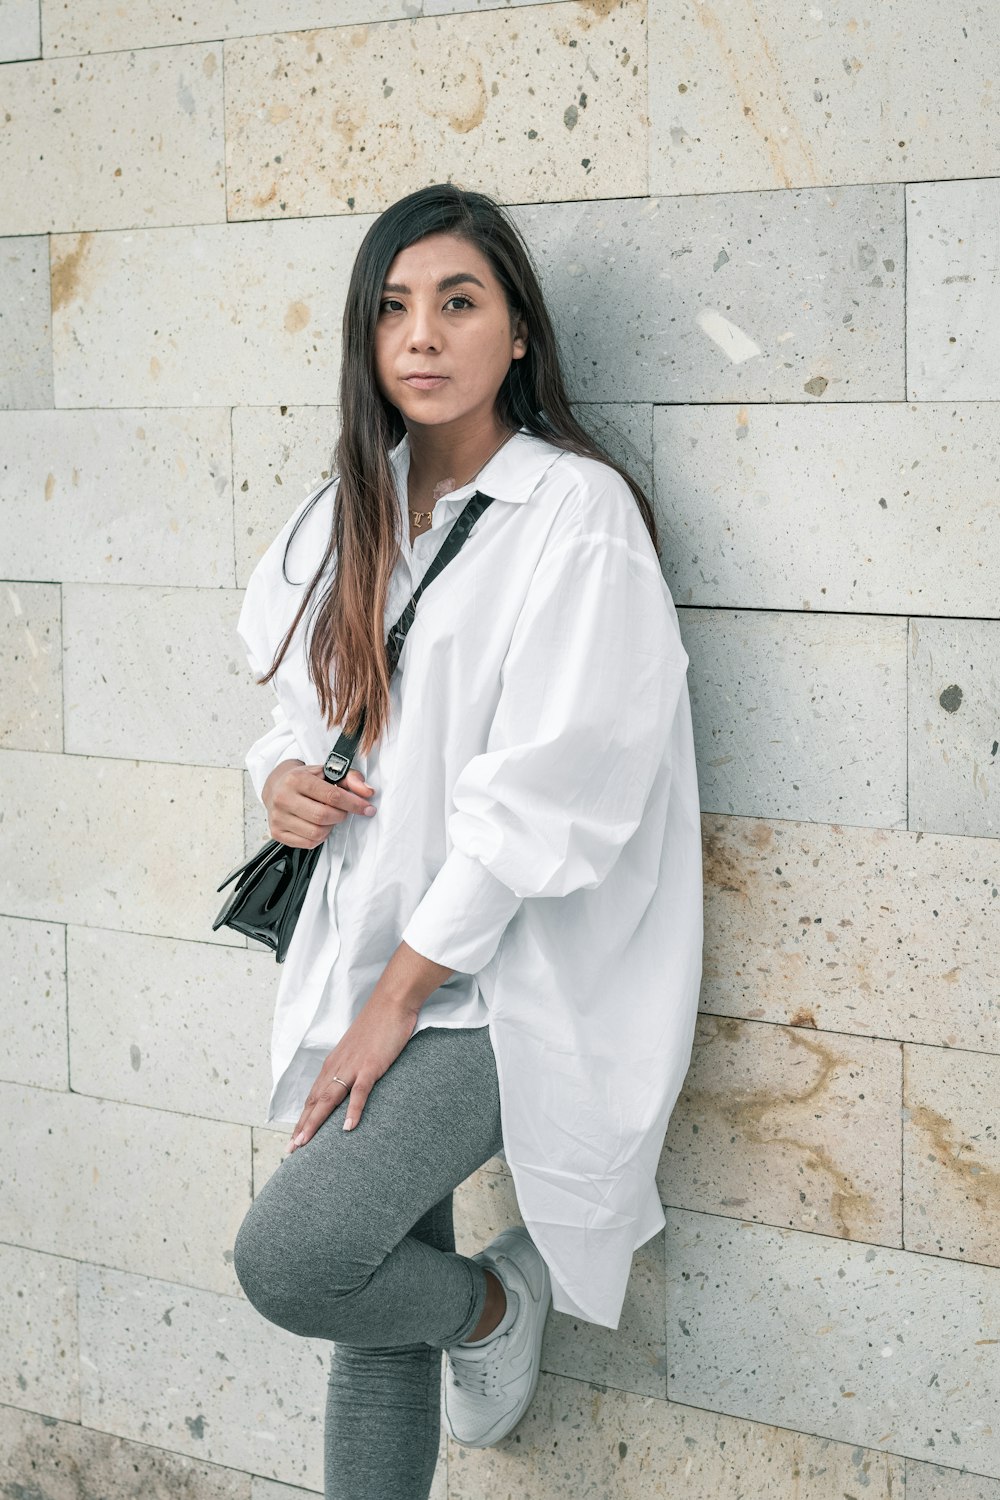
point(347, 646)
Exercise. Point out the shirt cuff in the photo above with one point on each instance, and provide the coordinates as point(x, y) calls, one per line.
point(461, 917)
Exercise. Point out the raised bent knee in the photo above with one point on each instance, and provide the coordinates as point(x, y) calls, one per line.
point(292, 1280)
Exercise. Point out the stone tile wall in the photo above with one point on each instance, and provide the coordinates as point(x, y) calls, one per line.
point(767, 234)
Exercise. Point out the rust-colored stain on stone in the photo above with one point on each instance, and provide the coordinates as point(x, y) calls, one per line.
point(67, 273)
point(744, 1114)
point(296, 317)
point(600, 8)
point(979, 1181)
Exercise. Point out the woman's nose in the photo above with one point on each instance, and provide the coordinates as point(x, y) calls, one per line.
point(423, 331)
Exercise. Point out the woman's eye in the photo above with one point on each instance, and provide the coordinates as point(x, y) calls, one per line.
point(459, 297)
point(388, 303)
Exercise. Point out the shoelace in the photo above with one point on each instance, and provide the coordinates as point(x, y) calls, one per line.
point(478, 1371)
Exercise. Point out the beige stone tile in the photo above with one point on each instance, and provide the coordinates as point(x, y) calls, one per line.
point(33, 1047)
point(579, 1440)
point(770, 96)
point(953, 680)
point(788, 1126)
point(207, 315)
point(632, 1357)
point(280, 454)
point(812, 508)
point(934, 1482)
point(78, 1463)
point(170, 1025)
point(30, 666)
point(119, 140)
point(145, 1190)
point(122, 496)
point(126, 844)
point(201, 1374)
point(951, 1154)
point(26, 327)
point(854, 1342)
point(771, 694)
point(38, 1336)
point(348, 119)
point(875, 931)
point(159, 674)
point(20, 29)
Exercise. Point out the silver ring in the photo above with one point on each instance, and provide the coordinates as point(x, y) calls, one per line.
point(340, 1080)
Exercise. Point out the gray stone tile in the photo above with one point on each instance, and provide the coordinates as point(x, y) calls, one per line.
point(129, 651)
point(951, 1154)
point(123, 496)
point(171, 1025)
point(853, 1342)
point(42, 1459)
point(790, 1127)
point(868, 930)
point(160, 317)
point(933, 1482)
point(201, 1374)
point(953, 682)
point(142, 1189)
point(799, 715)
point(269, 1142)
point(83, 158)
point(255, 825)
point(883, 507)
point(100, 842)
point(33, 1046)
point(106, 26)
point(38, 1342)
point(665, 299)
point(333, 121)
point(771, 96)
point(280, 454)
point(630, 1357)
point(30, 666)
point(579, 1440)
point(20, 29)
point(25, 323)
point(952, 278)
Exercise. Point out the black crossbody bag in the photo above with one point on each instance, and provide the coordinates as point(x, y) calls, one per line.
point(272, 884)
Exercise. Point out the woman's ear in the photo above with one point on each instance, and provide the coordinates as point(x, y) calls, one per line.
point(520, 339)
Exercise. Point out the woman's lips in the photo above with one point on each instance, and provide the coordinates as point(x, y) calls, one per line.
point(424, 382)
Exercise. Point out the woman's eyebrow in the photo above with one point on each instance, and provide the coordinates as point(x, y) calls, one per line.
point(442, 286)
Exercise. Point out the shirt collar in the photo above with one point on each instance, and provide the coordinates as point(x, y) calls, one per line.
point(512, 474)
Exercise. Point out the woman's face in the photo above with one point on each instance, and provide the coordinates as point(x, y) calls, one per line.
point(443, 339)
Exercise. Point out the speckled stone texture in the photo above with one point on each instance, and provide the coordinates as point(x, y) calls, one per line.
point(766, 234)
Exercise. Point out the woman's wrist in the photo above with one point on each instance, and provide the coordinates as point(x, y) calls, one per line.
point(408, 979)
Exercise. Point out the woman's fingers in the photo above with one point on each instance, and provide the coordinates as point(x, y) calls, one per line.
point(306, 806)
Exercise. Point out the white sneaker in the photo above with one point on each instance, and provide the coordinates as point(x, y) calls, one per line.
point(489, 1384)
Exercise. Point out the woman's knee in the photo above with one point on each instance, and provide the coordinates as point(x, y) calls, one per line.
point(289, 1262)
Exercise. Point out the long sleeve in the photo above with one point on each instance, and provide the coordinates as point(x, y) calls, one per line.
point(589, 689)
point(278, 744)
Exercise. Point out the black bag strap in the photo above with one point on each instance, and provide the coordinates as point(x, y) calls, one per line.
point(338, 762)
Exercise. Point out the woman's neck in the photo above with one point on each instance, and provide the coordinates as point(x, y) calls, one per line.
point(443, 460)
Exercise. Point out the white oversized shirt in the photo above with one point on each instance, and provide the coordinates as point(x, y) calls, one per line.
point(538, 831)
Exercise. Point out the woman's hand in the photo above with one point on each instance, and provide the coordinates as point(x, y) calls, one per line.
point(302, 806)
point(367, 1049)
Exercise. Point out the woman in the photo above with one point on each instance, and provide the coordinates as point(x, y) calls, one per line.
point(500, 949)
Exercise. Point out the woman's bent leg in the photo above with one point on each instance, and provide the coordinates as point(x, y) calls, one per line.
point(351, 1239)
point(383, 1406)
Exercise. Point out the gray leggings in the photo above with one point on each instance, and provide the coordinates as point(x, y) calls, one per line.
point(352, 1239)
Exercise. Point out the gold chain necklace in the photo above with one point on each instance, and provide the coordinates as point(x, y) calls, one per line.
point(424, 516)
